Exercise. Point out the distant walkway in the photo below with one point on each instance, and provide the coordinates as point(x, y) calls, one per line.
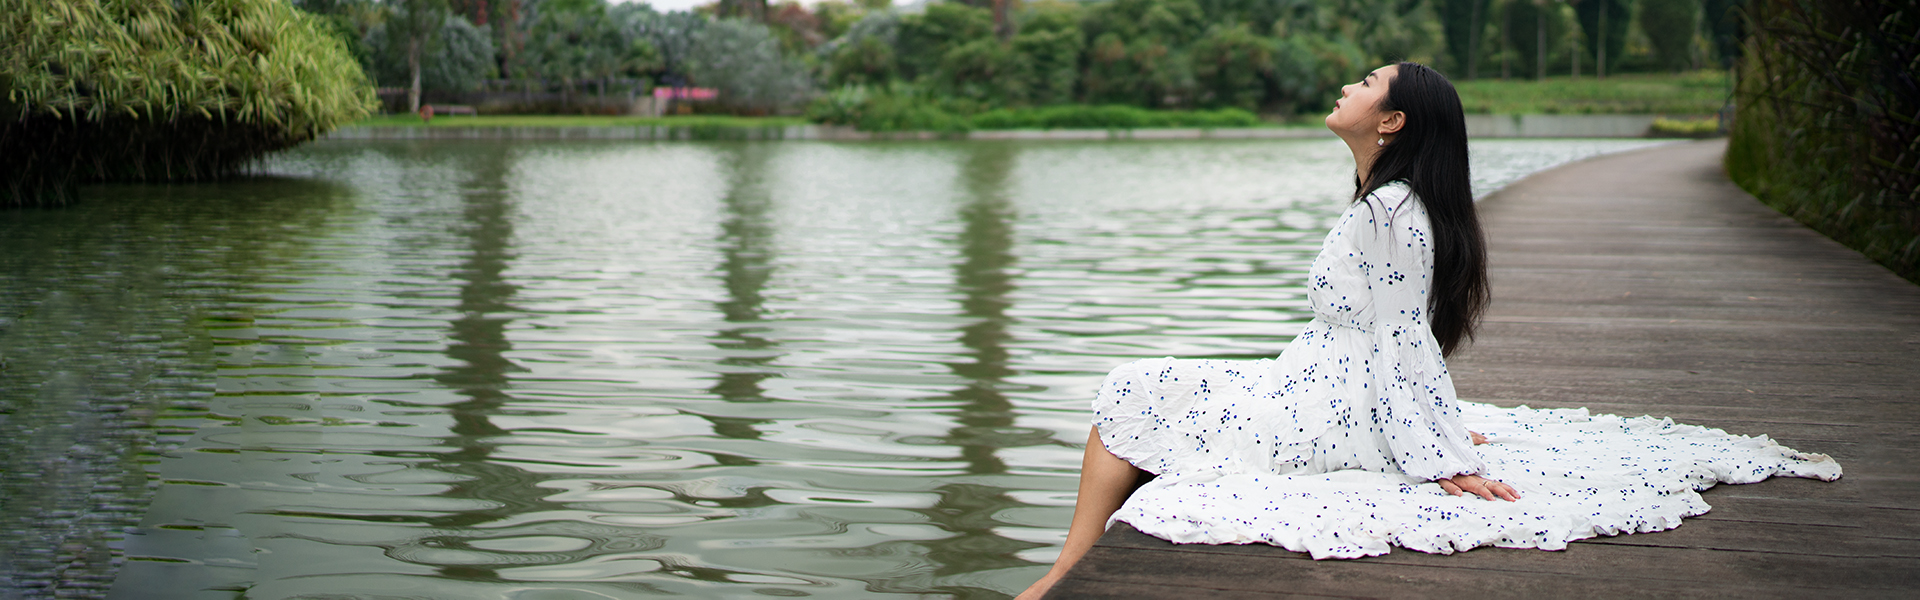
point(1646, 283)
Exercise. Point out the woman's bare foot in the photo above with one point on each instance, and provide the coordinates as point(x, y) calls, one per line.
point(1039, 588)
point(1477, 438)
point(1105, 482)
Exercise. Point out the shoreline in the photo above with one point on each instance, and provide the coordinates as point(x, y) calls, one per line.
point(1486, 126)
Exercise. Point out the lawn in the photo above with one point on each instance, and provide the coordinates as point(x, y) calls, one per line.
point(1694, 93)
point(698, 121)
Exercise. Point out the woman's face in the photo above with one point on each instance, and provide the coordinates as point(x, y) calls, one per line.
point(1357, 113)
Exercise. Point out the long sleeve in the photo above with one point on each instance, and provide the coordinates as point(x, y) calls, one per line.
point(1414, 401)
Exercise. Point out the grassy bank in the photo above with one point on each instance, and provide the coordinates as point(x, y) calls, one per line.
point(698, 121)
point(903, 110)
point(1698, 92)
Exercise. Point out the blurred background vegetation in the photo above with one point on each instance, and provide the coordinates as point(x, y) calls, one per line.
point(1826, 115)
point(1829, 122)
point(939, 64)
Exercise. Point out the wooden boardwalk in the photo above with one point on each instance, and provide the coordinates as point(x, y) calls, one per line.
point(1646, 283)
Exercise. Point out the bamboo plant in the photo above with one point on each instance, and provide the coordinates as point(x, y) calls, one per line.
point(162, 90)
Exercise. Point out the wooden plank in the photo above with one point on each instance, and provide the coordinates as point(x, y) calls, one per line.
point(1592, 569)
point(1645, 283)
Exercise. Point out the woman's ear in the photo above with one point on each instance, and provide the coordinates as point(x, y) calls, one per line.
point(1392, 122)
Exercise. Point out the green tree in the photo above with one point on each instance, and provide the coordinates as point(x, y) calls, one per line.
point(1144, 73)
point(1302, 78)
point(155, 90)
point(1605, 24)
point(1138, 51)
point(1383, 31)
point(742, 60)
point(415, 26)
point(1463, 21)
point(866, 60)
point(1170, 23)
point(457, 58)
point(837, 16)
point(1047, 63)
point(865, 53)
point(1533, 29)
point(348, 21)
point(574, 41)
point(1726, 27)
point(980, 70)
point(925, 39)
point(669, 36)
point(1670, 25)
point(1231, 67)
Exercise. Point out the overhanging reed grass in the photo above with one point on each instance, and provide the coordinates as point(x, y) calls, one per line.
point(148, 90)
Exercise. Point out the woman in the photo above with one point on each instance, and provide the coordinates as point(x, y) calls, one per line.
point(1335, 447)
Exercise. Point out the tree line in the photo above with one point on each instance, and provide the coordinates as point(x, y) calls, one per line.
point(1273, 56)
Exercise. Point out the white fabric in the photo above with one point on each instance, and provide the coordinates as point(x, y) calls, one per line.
point(1332, 447)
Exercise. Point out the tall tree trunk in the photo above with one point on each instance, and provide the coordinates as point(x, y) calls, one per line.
point(1473, 41)
point(413, 70)
point(1600, 65)
point(1002, 24)
point(1541, 64)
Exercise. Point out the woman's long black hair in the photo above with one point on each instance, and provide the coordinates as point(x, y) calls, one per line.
point(1430, 154)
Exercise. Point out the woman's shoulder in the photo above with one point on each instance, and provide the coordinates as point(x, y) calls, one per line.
point(1388, 203)
point(1392, 194)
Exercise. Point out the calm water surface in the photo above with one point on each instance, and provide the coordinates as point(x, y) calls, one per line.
point(601, 370)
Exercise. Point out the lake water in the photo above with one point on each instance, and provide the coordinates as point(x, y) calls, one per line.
point(537, 370)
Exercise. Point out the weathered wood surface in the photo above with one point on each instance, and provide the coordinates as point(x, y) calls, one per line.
point(1646, 283)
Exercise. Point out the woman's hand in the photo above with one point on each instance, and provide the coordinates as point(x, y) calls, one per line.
point(1479, 486)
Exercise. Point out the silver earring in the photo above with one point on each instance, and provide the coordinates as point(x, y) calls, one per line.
point(1382, 143)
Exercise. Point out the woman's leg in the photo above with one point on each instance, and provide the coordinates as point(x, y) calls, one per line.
point(1105, 482)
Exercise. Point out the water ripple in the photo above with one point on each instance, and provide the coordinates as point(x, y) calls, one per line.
point(490, 370)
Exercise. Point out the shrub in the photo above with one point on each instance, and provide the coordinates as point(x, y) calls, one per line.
point(899, 107)
point(162, 90)
point(1828, 130)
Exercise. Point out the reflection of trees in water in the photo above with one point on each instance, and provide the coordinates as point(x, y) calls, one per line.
point(479, 342)
point(985, 417)
point(746, 240)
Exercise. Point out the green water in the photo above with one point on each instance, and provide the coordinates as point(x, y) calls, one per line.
point(602, 370)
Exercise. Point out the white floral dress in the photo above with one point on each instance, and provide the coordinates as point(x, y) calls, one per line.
point(1333, 447)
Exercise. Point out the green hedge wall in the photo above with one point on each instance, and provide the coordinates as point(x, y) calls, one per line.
point(1828, 128)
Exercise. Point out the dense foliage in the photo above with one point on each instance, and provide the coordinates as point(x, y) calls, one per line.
point(161, 89)
point(1278, 57)
point(1828, 130)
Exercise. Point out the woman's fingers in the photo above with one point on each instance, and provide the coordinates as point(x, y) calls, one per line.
point(1479, 486)
point(1486, 490)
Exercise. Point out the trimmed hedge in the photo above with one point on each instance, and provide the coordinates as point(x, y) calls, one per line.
point(162, 90)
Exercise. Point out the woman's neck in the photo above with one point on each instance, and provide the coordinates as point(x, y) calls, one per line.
point(1363, 155)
